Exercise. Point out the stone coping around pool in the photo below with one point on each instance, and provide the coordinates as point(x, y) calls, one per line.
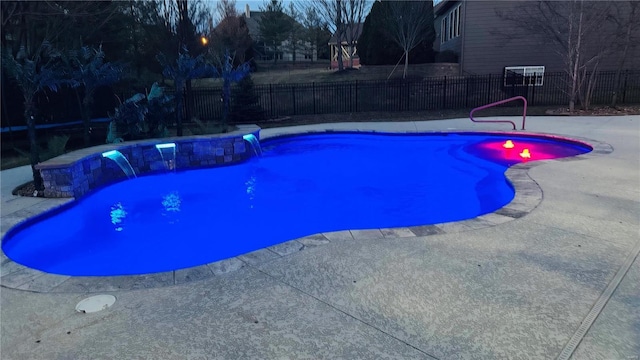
point(77, 173)
point(528, 196)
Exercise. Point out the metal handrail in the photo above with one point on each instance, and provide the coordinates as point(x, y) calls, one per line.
point(524, 112)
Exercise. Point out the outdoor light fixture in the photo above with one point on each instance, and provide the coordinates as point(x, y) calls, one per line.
point(204, 40)
point(508, 144)
point(525, 154)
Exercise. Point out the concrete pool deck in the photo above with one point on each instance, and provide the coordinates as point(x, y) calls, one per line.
point(521, 289)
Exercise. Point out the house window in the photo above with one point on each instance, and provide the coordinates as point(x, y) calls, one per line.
point(450, 25)
point(523, 75)
point(443, 29)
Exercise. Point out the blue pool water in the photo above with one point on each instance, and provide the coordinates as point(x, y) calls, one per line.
point(300, 186)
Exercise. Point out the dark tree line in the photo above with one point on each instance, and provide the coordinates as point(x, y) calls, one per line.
point(380, 44)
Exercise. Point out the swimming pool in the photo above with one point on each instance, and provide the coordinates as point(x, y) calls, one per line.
point(302, 185)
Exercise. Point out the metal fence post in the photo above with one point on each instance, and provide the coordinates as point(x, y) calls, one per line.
point(350, 97)
point(533, 92)
point(466, 92)
point(293, 94)
point(407, 85)
point(489, 88)
point(313, 87)
point(624, 91)
point(444, 93)
point(357, 98)
point(271, 100)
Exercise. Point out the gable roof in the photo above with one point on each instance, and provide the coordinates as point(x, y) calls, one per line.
point(355, 29)
point(253, 22)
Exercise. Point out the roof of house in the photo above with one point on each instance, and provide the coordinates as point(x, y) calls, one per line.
point(253, 22)
point(356, 30)
point(443, 6)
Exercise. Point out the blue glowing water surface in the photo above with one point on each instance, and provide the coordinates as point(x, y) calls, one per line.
point(300, 186)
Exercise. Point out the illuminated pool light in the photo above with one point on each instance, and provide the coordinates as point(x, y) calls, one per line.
point(165, 146)
point(508, 144)
point(525, 154)
point(110, 154)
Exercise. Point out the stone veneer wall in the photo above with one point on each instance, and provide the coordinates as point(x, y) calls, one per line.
point(76, 173)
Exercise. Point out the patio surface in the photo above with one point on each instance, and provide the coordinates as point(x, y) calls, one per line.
point(562, 281)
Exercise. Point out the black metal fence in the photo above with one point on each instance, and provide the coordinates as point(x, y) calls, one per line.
point(278, 100)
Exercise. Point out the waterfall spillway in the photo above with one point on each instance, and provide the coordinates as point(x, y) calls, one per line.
point(255, 144)
point(121, 161)
point(168, 154)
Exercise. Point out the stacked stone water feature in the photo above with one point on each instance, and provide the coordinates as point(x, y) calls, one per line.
point(77, 173)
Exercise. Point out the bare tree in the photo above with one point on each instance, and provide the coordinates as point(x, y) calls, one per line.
point(408, 23)
point(626, 18)
point(28, 24)
point(226, 8)
point(314, 32)
point(295, 31)
point(576, 31)
point(231, 35)
point(343, 18)
point(353, 12)
point(32, 32)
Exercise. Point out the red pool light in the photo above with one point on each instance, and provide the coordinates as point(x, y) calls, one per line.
point(523, 150)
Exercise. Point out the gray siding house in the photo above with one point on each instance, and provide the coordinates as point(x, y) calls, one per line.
point(485, 42)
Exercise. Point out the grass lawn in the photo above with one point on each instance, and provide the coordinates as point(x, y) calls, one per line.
point(322, 74)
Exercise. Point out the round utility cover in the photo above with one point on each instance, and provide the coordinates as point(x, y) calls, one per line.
point(95, 303)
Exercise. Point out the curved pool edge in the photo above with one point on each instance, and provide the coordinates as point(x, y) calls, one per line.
point(528, 195)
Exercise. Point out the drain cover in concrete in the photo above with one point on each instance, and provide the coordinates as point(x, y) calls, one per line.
point(95, 303)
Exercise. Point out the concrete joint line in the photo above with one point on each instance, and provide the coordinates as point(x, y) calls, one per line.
point(599, 305)
point(433, 357)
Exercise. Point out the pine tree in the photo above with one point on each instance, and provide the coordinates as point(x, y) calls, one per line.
point(246, 103)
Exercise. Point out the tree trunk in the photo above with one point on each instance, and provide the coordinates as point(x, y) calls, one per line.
point(573, 91)
point(576, 66)
point(34, 152)
point(623, 57)
point(406, 64)
point(591, 85)
point(188, 100)
point(179, 105)
point(226, 98)
point(339, 34)
point(86, 117)
point(275, 53)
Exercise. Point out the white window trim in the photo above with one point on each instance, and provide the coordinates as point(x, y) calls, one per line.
point(527, 72)
point(450, 25)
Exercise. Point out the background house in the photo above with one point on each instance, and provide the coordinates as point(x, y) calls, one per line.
point(487, 43)
point(300, 51)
